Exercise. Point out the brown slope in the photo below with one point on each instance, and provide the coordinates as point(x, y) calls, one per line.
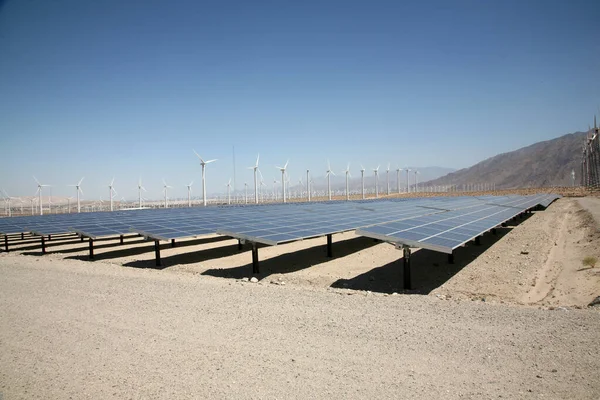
point(547, 163)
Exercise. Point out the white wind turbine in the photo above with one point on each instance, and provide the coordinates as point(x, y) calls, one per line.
point(32, 205)
point(407, 180)
point(190, 193)
point(203, 163)
point(140, 188)
point(308, 184)
point(255, 168)
point(376, 171)
point(78, 188)
point(165, 190)
point(398, 170)
point(112, 191)
point(282, 169)
point(362, 181)
point(416, 181)
point(69, 203)
point(347, 171)
point(245, 193)
point(39, 192)
point(329, 173)
point(262, 183)
point(275, 182)
point(7, 199)
point(229, 192)
point(387, 177)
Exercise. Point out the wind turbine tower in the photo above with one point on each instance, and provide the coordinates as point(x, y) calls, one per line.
point(203, 163)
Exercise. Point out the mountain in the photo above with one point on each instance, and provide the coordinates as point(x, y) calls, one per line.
point(547, 163)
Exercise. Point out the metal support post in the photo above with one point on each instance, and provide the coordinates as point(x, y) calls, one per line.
point(172, 242)
point(22, 236)
point(81, 237)
point(91, 249)
point(407, 280)
point(43, 245)
point(6, 243)
point(477, 241)
point(157, 252)
point(451, 258)
point(255, 269)
point(329, 246)
point(493, 231)
point(49, 237)
point(121, 239)
point(240, 246)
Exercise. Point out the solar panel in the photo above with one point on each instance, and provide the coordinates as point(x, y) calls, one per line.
point(446, 231)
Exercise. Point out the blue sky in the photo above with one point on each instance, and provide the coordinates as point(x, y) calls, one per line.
point(128, 88)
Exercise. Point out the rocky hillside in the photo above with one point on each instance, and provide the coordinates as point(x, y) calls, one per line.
point(547, 163)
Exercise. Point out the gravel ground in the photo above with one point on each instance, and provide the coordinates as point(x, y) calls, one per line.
point(116, 328)
point(79, 331)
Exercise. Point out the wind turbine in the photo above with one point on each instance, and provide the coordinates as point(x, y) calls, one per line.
point(262, 183)
point(362, 179)
point(376, 171)
point(255, 168)
point(398, 178)
point(39, 192)
point(190, 193)
point(7, 199)
point(416, 182)
point(140, 188)
point(407, 180)
point(245, 193)
point(282, 169)
point(387, 177)
point(347, 171)
point(78, 186)
point(275, 182)
point(32, 205)
point(165, 190)
point(329, 173)
point(203, 163)
point(111, 191)
point(308, 183)
point(229, 192)
point(69, 203)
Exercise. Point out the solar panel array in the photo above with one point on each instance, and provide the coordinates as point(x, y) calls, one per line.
point(280, 223)
point(444, 232)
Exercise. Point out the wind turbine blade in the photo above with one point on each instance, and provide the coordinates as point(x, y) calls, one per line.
point(191, 183)
point(81, 180)
point(209, 161)
point(198, 155)
point(286, 164)
point(143, 188)
point(81, 190)
point(332, 173)
point(257, 158)
point(35, 179)
point(111, 182)
point(37, 191)
point(165, 183)
point(278, 167)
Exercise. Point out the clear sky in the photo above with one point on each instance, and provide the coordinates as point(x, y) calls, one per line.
point(128, 88)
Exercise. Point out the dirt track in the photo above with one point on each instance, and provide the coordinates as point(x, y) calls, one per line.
point(73, 328)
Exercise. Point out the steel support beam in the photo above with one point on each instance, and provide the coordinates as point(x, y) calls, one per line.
point(255, 268)
point(329, 246)
point(43, 245)
point(157, 252)
point(240, 246)
point(91, 248)
point(407, 279)
point(121, 239)
point(172, 242)
point(451, 258)
point(477, 241)
point(6, 243)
